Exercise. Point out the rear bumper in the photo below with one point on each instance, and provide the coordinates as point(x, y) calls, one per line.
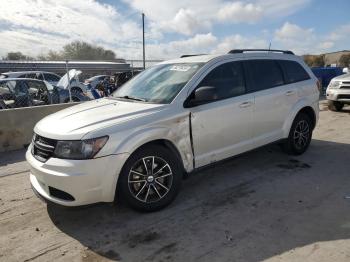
point(86, 181)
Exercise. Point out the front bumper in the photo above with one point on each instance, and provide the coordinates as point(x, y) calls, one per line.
point(87, 181)
point(334, 94)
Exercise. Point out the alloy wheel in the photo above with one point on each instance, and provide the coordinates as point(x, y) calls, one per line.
point(150, 179)
point(301, 134)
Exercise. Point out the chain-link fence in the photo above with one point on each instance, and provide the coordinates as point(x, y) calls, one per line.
point(33, 83)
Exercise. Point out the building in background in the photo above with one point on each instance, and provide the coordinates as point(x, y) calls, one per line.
point(332, 59)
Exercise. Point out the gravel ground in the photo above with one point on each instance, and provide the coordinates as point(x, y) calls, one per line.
point(263, 205)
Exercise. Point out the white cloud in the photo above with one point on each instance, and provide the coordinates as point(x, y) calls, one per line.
point(238, 12)
point(291, 31)
point(200, 43)
point(195, 16)
point(42, 21)
point(238, 41)
point(306, 41)
point(36, 26)
point(186, 22)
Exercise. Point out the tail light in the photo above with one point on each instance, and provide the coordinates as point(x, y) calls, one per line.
point(319, 85)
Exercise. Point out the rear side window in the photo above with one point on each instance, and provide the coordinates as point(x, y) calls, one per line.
point(51, 77)
point(30, 75)
point(293, 71)
point(227, 78)
point(263, 74)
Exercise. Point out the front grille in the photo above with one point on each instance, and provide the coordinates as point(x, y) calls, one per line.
point(345, 87)
point(342, 96)
point(346, 82)
point(43, 148)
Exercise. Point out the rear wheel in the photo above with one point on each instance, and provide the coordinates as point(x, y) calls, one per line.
point(299, 135)
point(335, 105)
point(150, 179)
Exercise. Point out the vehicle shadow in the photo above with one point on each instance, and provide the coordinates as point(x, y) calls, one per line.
point(12, 157)
point(248, 208)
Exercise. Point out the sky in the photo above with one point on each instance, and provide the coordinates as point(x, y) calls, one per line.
point(175, 27)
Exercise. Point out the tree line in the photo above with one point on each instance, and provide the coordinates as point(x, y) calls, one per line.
point(319, 60)
point(77, 50)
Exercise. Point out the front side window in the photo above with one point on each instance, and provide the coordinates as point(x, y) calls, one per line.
point(263, 74)
point(228, 80)
point(158, 84)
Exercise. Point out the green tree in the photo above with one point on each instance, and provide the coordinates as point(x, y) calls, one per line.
point(79, 50)
point(17, 56)
point(344, 60)
point(314, 60)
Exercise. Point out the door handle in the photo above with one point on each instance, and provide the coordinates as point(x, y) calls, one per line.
point(289, 93)
point(245, 104)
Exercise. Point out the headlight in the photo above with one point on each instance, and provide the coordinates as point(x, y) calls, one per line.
point(79, 149)
point(334, 84)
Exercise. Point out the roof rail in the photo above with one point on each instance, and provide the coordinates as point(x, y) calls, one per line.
point(238, 51)
point(183, 56)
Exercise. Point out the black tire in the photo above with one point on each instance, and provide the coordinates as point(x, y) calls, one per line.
point(335, 105)
point(297, 144)
point(149, 196)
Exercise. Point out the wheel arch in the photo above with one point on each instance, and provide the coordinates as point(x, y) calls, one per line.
point(160, 142)
point(301, 107)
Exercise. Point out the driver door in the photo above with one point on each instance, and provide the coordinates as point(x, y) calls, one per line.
point(222, 127)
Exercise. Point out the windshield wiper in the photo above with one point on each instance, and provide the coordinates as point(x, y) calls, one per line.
point(132, 98)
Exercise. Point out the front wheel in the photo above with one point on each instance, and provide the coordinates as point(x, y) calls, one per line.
point(150, 179)
point(335, 105)
point(300, 135)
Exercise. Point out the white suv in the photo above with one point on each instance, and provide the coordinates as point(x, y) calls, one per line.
point(338, 92)
point(169, 120)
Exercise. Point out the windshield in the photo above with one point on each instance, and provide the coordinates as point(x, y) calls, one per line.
point(158, 84)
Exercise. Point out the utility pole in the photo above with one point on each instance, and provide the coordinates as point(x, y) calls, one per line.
point(143, 40)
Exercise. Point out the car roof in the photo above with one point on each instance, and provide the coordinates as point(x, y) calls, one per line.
point(18, 79)
point(26, 72)
point(207, 58)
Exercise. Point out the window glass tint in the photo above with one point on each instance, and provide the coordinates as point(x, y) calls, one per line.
point(228, 79)
point(51, 78)
point(294, 72)
point(263, 74)
point(31, 75)
point(39, 76)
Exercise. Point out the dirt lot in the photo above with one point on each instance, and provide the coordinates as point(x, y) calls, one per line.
point(263, 205)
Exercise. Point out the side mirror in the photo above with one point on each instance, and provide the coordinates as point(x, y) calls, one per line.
point(346, 70)
point(201, 95)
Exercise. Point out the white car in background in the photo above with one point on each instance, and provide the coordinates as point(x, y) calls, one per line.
point(93, 81)
point(169, 120)
point(338, 92)
point(49, 77)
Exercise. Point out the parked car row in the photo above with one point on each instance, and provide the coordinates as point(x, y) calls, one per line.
point(32, 88)
point(49, 77)
point(24, 92)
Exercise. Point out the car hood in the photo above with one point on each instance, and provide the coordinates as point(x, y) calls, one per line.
point(74, 122)
point(63, 82)
point(342, 77)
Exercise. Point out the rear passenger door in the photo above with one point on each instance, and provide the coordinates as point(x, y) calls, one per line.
point(273, 99)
